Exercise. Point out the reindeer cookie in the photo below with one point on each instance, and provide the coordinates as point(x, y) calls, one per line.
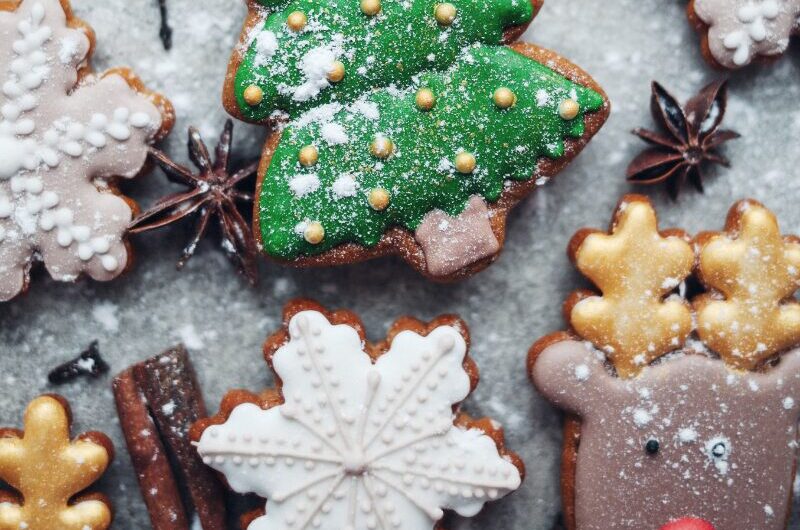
point(681, 416)
point(48, 470)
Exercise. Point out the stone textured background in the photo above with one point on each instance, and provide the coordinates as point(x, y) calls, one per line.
point(623, 43)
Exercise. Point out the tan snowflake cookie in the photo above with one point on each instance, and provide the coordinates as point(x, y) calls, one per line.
point(47, 470)
point(635, 267)
point(753, 273)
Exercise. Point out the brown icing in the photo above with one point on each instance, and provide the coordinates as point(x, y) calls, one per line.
point(689, 404)
point(451, 243)
point(60, 146)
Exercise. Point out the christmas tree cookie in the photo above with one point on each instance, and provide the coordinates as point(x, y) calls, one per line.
point(65, 135)
point(682, 416)
point(406, 128)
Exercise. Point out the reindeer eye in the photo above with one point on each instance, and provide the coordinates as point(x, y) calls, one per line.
point(718, 448)
point(652, 446)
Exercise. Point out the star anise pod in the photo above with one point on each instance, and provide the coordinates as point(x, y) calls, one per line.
point(691, 140)
point(212, 192)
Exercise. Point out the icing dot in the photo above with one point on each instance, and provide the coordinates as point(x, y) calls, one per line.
point(652, 446)
point(371, 7)
point(788, 403)
point(568, 109)
point(140, 120)
point(465, 162)
point(425, 99)
point(336, 72)
point(253, 95)
point(308, 155)
point(381, 147)
point(314, 233)
point(297, 20)
point(504, 98)
point(109, 263)
point(445, 13)
point(379, 199)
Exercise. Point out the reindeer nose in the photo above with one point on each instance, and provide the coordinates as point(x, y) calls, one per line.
point(688, 523)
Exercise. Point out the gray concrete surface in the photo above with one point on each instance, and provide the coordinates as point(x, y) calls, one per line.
point(623, 43)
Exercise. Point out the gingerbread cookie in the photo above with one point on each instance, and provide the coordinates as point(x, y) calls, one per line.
point(65, 135)
point(360, 435)
point(49, 472)
point(737, 32)
point(402, 128)
point(681, 416)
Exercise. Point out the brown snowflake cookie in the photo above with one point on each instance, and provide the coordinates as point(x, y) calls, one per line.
point(66, 134)
point(357, 434)
point(737, 32)
point(50, 473)
point(681, 416)
point(406, 128)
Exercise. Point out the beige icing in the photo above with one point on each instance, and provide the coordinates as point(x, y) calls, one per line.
point(690, 404)
point(451, 243)
point(635, 267)
point(48, 470)
point(757, 271)
point(741, 30)
point(58, 146)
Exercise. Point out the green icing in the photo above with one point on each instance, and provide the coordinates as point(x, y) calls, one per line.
point(380, 51)
point(419, 176)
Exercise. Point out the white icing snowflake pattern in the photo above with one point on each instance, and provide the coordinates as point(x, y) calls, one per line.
point(358, 445)
point(58, 145)
point(754, 19)
point(742, 29)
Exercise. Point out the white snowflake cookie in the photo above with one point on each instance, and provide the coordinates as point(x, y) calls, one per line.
point(65, 134)
point(361, 436)
point(738, 31)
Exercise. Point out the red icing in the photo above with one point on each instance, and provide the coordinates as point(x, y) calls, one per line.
point(688, 523)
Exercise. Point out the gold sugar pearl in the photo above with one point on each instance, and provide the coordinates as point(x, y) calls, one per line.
point(504, 98)
point(465, 162)
point(253, 95)
point(336, 73)
point(371, 7)
point(425, 99)
point(569, 109)
point(297, 20)
point(314, 233)
point(445, 13)
point(308, 155)
point(379, 199)
point(381, 147)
